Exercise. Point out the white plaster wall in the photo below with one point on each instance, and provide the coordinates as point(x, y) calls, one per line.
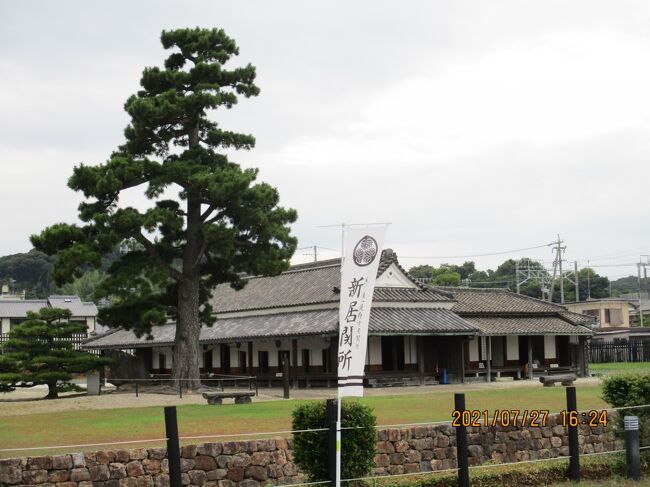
point(473, 350)
point(156, 352)
point(512, 347)
point(216, 356)
point(4, 325)
point(549, 346)
point(90, 324)
point(374, 350)
point(234, 355)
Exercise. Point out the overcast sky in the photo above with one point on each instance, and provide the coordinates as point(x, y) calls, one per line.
point(473, 127)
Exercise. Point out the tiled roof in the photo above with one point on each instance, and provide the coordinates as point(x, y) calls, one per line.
point(76, 306)
point(18, 308)
point(477, 300)
point(526, 325)
point(402, 321)
point(304, 284)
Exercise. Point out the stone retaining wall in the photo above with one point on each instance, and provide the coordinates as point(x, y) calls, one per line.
point(261, 462)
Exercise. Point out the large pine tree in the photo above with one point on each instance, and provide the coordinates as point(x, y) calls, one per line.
point(222, 223)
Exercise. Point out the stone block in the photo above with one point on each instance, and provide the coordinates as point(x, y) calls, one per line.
point(278, 457)
point(281, 444)
point(401, 446)
point(185, 478)
point(396, 458)
point(232, 447)
point(556, 441)
point(153, 466)
point(157, 453)
point(139, 453)
point(134, 468)
point(197, 477)
point(227, 483)
point(186, 465)
point(382, 460)
point(76, 475)
point(122, 456)
point(236, 474)
point(10, 474)
point(411, 468)
point(396, 469)
point(412, 456)
point(260, 458)
point(441, 441)
point(78, 460)
point(35, 476)
point(55, 476)
point(117, 470)
point(62, 462)
point(188, 451)
point(204, 462)
point(256, 472)
point(425, 466)
point(385, 447)
point(99, 473)
point(161, 480)
point(394, 435)
point(249, 483)
point(217, 474)
point(104, 457)
point(39, 463)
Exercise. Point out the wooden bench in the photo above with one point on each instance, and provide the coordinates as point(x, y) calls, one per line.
point(218, 397)
point(564, 379)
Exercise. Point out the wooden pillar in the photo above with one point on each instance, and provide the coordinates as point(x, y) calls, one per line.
point(294, 362)
point(420, 351)
point(582, 358)
point(462, 359)
point(530, 357)
point(394, 349)
point(488, 376)
point(250, 358)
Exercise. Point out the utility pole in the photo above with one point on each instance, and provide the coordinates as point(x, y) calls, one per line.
point(517, 277)
point(558, 248)
point(638, 267)
point(577, 283)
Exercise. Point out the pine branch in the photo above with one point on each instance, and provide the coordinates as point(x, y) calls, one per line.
point(151, 250)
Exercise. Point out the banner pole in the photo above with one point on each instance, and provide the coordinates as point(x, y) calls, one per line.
point(338, 442)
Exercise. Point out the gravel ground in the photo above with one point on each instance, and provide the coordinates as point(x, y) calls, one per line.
point(29, 401)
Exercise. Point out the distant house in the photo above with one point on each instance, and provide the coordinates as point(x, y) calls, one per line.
point(417, 334)
point(609, 312)
point(14, 311)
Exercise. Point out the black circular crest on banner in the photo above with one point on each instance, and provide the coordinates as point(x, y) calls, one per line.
point(365, 251)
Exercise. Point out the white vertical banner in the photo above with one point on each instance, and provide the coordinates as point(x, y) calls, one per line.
point(362, 253)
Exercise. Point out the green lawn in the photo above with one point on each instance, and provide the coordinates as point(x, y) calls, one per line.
point(620, 368)
point(107, 425)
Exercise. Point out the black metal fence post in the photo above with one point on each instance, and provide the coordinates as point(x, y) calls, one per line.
point(285, 377)
point(173, 447)
point(573, 422)
point(180, 388)
point(136, 388)
point(331, 440)
point(632, 453)
point(461, 442)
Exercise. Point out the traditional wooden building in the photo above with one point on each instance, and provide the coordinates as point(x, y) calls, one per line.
point(417, 334)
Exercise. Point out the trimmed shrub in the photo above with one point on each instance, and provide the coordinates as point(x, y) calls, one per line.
point(357, 445)
point(630, 390)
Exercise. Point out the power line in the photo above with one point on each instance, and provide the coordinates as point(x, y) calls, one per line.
point(473, 255)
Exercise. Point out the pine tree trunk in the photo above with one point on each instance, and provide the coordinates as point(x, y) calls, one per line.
point(52, 392)
point(187, 349)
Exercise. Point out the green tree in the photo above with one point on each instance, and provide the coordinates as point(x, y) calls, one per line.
point(221, 225)
point(592, 285)
point(39, 351)
point(29, 272)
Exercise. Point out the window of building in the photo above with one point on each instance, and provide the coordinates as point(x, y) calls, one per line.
point(283, 355)
point(263, 359)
